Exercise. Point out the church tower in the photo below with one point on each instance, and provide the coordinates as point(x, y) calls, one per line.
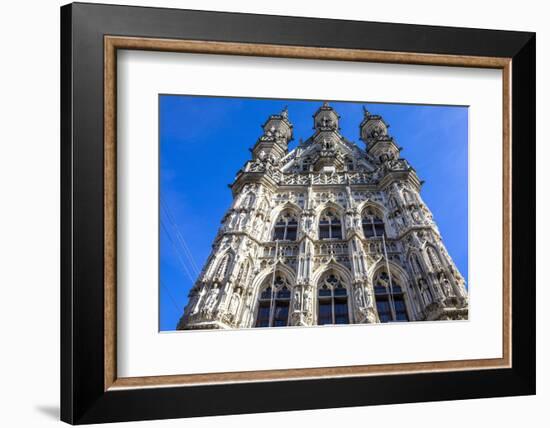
point(327, 233)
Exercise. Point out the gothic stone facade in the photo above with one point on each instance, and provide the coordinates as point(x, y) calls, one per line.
point(327, 233)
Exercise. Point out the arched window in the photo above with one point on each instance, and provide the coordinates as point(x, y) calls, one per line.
point(333, 301)
point(390, 301)
point(373, 225)
point(286, 228)
point(273, 304)
point(330, 226)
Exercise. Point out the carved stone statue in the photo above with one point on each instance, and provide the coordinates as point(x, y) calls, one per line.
point(296, 299)
point(307, 300)
point(368, 297)
point(212, 299)
point(445, 285)
point(359, 301)
point(234, 304)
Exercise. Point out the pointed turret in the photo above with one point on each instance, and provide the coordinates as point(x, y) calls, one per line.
point(374, 132)
point(277, 134)
point(326, 119)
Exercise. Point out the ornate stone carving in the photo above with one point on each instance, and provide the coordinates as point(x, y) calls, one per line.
point(325, 171)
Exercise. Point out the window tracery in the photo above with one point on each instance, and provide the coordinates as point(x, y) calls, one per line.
point(274, 302)
point(330, 225)
point(373, 225)
point(286, 227)
point(390, 299)
point(332, 301)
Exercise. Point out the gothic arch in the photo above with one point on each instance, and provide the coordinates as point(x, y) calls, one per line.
point(399, 277)
point(375, 205)
point(330, 207)
point(395, 269)
point(322, 207)
point(336, 266)
point(290, 208)
point(435, 264)
point(327, 300)
point(245, 273)
point(380, 213)
point(288, 205)
point(223, 261)
point(261, 276)
point(263, 281)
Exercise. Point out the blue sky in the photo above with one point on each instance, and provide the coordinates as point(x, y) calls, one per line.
point(204, 141)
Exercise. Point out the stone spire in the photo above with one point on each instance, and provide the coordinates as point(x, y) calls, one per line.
point(277, 133)
point(374, 132)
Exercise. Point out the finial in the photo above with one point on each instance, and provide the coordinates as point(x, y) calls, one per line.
point(325, 104)
point(284, 112)
point(366, 112)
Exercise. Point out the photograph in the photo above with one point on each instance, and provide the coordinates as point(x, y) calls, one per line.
point(281, 210)
point(299, 213)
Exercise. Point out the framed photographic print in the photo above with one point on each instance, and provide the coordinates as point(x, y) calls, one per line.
point(273, 213)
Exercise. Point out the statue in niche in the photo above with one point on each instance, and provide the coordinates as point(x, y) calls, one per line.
point(349, 222)
point(211, 301)
point(262, 155)
point(296, 299)
point(307, 300)
point(359, 298)
point(234, 303)
point(368, 297)
point(445, 285)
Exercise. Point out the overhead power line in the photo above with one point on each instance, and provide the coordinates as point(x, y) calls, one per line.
point(177, 252)
point(179, 238)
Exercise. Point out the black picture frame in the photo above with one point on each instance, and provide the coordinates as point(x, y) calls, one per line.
point(83, 398)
